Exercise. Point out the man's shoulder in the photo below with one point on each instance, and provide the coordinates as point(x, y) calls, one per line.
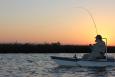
point(101, 43)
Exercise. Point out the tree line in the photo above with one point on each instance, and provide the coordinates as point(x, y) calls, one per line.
point(46, 48)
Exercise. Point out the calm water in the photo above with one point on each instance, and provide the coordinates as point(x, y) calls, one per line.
point(40, 65)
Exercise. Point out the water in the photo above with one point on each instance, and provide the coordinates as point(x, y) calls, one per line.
point(40, 65)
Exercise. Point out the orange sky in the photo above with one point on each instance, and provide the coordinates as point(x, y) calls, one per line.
point(51, 21)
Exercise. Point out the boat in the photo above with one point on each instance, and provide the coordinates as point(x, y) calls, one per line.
point(71, 61)
point(74, 61)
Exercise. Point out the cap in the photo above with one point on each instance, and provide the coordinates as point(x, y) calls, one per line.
point(98, 37)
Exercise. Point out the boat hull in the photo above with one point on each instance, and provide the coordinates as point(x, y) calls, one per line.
point(64, 61)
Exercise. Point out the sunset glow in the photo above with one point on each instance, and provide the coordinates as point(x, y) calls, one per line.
point(40, 21)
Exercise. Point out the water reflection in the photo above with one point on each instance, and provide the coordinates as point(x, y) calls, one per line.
point(98, 72)
point(62, 71)
point(36, 65)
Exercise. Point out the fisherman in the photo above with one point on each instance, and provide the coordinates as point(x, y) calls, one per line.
point(97, 50)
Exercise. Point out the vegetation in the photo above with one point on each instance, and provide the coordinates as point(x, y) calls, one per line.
point(46, 48)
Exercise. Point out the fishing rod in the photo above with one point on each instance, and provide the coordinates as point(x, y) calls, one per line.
point(90, 14)
point(95, 26)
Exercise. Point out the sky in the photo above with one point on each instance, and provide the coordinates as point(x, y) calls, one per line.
point(47, 21)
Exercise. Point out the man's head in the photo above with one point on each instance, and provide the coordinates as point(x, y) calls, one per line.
point(99, 37)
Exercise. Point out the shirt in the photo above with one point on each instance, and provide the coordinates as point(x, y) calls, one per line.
point(99, 47)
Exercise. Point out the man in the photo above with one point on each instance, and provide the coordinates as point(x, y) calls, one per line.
point(97, 50)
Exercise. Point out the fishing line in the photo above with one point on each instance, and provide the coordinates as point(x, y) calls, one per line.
point(95, 26)
point(90, 14)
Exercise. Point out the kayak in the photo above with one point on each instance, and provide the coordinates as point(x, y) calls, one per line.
point(70, 61)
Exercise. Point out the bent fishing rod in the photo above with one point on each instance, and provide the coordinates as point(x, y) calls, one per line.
point(95, 26)
point(90, 14)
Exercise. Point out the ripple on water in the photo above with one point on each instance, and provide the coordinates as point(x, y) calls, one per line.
point(40, 65)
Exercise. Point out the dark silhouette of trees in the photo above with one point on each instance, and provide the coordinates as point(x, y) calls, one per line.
point(46, 48)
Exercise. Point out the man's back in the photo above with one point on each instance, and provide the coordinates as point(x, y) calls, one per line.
point(99, 47)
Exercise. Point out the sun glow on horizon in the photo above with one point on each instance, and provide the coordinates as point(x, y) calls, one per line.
point(49, 21)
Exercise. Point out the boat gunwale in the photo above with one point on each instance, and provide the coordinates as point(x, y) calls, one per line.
point(77, 59)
